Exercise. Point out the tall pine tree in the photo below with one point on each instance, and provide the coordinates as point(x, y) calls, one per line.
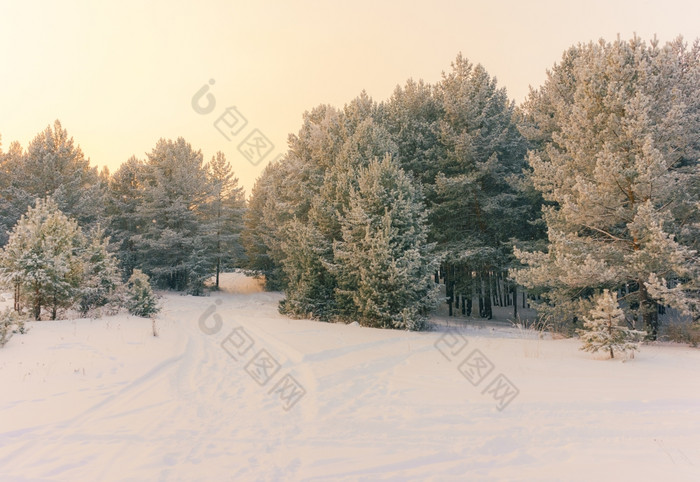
point(169, 219)
point(615, 127)
point(224, 212)
point(383, 262)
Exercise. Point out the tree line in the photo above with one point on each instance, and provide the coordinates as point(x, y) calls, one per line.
point(589, 187)
point(171, 215)
point(456, 144)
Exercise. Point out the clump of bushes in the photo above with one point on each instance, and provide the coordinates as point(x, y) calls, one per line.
point(684, 333)
point(11, 322)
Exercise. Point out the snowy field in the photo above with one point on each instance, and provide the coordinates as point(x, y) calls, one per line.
point(231, 390)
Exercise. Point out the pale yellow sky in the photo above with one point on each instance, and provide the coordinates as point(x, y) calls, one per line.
point(120, 75)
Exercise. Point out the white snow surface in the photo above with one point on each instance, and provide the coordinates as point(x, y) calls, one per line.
point(103, 399)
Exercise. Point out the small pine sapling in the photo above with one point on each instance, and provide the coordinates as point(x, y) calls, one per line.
point(140, 299)
point(604, 330)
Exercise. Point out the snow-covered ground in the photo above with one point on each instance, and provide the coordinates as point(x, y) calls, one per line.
point(231, 390)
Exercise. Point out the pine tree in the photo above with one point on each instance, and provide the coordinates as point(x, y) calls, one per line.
point(101, 278)
point(283, 193)
point(125, 195)
point(383, 262)
point(309, 287)
point(224, 215)
point(170, 215)
point(611, 131)
point(412, 117)
point(54, 166)
point(140, 299)
point(14, 200)
point(259, 232)
point(477, 206)
point(287, 191)
point(604, 328)
point(199, 266)
point(308, 196)
point(42, 258)
point(367, 141)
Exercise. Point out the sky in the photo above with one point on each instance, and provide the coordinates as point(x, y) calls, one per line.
point(120, 75)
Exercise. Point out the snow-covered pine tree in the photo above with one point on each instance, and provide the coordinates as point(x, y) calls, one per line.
point(478, 208)
point(368, 140)
point(310, 284)
point(169, 218)
point(258, 237)
point(124, 196)
point(53, 165)
point(42, 258)
point(14, 200)
point(312, 197)
point(102, 277)
point(282, 194)
point(224, 215)
point(604, 328)
point(460, 138)
point(611, 126)
point(286, 192)
point(412, 117)
point(199, 266)
point(383, 262)
point(140, 299)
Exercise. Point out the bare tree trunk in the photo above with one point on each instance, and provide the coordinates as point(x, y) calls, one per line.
point(493, 285)
point(505, 293)
point(448, 289)
point(54, 307)
point(463, 288)
point(17, 293)
point(650, 315)
point(218, 269)
point(455, 286)
point(499, 287)
point(218, 243)
point(470, 292)
point(498, 298)
point(506, 289)
point(481, 296)
point(37, 303)
point(489, 295)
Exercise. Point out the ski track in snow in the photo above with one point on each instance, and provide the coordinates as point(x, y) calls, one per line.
point(105, 400)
